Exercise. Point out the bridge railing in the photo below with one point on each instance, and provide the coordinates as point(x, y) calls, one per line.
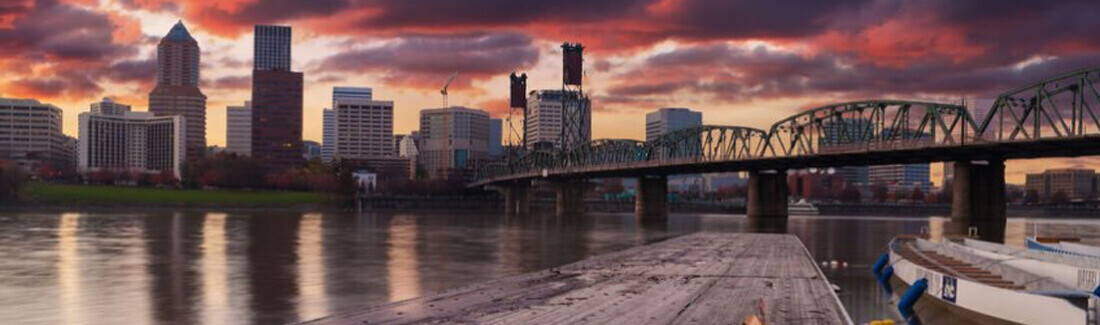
point(1064, 106)
point(870, 125)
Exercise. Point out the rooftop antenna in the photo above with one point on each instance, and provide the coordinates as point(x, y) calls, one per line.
point(445, 85)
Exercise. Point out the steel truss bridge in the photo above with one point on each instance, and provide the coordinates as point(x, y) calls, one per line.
point(1057, 117)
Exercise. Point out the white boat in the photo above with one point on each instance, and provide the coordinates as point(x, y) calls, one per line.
point(977, 286)
point(802, 208)
point(1081, 273)
point(1062, 246)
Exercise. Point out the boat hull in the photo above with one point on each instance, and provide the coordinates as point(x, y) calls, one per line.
point(994, 305)
point(935, 311)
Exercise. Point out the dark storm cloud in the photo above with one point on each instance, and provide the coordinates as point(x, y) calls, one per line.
point(410, 57)
point(234, 17)
point(708, 19)
point(58, 31)
point(229, 83)
point(736, 74)
point(144, 71)
point(55, 49)
point(70, 85)
point(428, 13)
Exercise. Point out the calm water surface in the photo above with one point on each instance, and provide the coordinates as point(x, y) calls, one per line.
point(275, 267)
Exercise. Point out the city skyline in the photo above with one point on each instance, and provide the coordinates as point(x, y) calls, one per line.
point(735, 70)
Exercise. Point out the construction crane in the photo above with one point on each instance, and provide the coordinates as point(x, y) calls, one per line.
point(445, 85)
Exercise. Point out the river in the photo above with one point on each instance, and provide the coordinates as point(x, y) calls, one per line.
point(266, 267)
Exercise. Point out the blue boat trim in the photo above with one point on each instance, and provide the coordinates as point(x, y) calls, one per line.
point(909, 300)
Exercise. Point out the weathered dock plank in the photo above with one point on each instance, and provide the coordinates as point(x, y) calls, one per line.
point(703, 278)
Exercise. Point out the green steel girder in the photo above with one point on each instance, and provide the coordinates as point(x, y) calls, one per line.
point(1062, 106)
point(709, 143)
point(870, 124)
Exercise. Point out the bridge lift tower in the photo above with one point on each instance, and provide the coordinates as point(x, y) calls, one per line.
point(518, 102)
point(576, 116)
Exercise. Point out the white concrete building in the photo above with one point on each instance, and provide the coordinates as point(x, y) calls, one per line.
point(544, 118)
point(363, 126)
point(131, 141)
point(30, 133)
point(238, 129)
point(665, 120)
point(454, 141)
point(328, 135)
point(109, 107)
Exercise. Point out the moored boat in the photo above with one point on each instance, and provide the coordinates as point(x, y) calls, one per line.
point(978, 288)
point(1068, 246)
point(1079, 272)
point(803, 208)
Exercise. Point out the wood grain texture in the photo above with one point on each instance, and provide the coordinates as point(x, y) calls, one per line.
point(703, 278)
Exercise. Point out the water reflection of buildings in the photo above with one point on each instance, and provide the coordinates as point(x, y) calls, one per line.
point(68, 269)
point(222, 295)
point(98, 269)
point(402, 266)
point(312, 300)
point(272, 255)
point(170, 254)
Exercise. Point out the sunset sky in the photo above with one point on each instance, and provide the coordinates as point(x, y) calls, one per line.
point(741, 62)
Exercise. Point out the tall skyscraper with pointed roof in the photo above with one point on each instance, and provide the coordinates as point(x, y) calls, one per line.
point(177, 90)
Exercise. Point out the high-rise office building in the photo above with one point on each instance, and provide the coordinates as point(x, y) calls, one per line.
point(544, 118)
point(1072, 183)
point(364, 126)
point(276, 100)
point(496, 137)
point(364, 93)
point(109, 107)
point(843, 135)
point(328, 136)
point(903, 176)
point(311, 150)
point(277, 117)
point(407, 148)
point(238, 129)
point(271, 48)
point(177, 90)
point(30, 133)
point(121, 140)
point(666, 120)
point(454, 143)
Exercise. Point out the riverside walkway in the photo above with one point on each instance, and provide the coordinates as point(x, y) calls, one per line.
point(702, 278)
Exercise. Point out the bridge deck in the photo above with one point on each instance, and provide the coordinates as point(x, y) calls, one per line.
point(704, 278)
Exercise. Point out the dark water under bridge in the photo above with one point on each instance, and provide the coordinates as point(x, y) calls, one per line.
point(1057, 117)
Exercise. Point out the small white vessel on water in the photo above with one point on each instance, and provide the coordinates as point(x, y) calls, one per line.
point(982, 286)
point(1069, 246)
point(802, 208)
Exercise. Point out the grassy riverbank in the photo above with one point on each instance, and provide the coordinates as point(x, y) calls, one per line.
point(57, 194)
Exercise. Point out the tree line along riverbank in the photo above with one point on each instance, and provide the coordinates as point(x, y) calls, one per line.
point(47, 194)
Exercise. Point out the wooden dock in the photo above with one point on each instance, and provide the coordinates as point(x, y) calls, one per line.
point(703, 278)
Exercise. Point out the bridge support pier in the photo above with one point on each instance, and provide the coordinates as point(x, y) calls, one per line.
point(767, 198)
point(517, 198)
point(978, 198)
point(570, 197)
point(651, 200)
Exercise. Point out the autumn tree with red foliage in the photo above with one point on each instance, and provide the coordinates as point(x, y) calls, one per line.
point(12, 180)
